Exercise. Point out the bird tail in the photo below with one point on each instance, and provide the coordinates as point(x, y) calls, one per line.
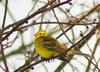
point(73, 52)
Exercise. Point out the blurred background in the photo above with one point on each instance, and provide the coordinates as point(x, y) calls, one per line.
point(21, 19)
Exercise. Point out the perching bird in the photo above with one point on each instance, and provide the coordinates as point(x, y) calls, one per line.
point(47, 46)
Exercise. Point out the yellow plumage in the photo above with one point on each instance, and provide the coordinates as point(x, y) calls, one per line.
point(47, 46)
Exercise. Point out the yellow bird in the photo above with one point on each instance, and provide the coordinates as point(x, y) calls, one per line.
point(47, 46)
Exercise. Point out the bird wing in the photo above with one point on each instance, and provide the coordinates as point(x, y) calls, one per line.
point(50, 43)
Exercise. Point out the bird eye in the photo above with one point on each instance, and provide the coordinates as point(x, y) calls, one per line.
point(40, 33)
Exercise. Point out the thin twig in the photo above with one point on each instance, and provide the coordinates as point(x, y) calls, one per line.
point(1, 45)
point(5, 13)
point(41, 10)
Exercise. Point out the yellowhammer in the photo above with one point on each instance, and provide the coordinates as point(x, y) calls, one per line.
point(48, 47)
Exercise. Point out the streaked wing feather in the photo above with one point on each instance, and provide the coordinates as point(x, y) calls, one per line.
point(50, 43)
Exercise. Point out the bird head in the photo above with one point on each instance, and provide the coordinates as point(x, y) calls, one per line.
point(41, 33)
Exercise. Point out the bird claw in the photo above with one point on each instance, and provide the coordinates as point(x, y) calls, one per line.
point(47, 59)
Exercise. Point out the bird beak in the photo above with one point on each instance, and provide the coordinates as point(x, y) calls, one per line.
point(34, 34)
